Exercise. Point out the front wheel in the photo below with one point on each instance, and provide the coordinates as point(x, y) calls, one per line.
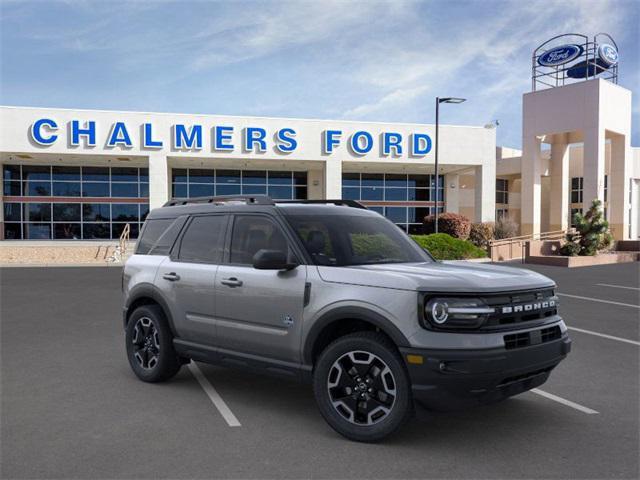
point(150, 345)
point(362, 387)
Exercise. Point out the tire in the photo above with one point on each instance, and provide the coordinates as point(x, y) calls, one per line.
point(149, 345)
point(362, 387)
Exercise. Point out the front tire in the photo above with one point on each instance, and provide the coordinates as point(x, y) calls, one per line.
point(150, 345)
point(362, 387)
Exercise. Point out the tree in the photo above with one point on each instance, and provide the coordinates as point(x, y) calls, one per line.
point(591, 235)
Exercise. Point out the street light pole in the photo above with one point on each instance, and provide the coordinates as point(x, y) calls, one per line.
point(438, 102)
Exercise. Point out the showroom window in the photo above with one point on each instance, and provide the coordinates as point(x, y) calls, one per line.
point(576, 189)
point(401, 188)
point(502, 190)
point(200, 182)
point(78, 203)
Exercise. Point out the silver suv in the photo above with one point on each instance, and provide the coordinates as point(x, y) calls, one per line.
point(334, 294)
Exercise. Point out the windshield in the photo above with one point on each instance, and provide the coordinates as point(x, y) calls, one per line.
point(344, 240)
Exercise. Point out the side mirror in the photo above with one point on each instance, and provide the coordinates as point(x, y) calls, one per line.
point(272, 260)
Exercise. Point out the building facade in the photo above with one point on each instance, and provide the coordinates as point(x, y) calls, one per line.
point(84, 174)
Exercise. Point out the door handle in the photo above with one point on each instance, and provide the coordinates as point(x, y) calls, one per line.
point(172, 276)
point(231, 282)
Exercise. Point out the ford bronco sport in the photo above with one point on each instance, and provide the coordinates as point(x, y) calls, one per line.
point(337, 295)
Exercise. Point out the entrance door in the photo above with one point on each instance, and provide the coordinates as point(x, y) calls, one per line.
point(259, 311)
point(187, 279)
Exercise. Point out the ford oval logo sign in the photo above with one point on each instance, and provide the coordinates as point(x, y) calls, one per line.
point(608, 54)
point(560, 55)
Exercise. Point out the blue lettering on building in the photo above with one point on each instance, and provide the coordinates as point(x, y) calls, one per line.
point(420, 144)
point(89, 132)
point(255, 136)
point(119, 136)
point(184, 138)
point(286, 141)
point(361, 142)
point(222, 137)
point(37, 134)
point(330, 140)
point(147, 137)
point(390, 141)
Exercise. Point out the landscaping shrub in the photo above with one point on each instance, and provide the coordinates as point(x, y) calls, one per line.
point(505, 228)
point(446, 247)
point(592, 233)
point(481, 234)
point(456, 225)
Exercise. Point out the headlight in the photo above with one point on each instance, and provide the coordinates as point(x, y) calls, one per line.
point(456, 312)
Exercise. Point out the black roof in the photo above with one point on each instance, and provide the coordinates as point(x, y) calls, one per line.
point(258, 203)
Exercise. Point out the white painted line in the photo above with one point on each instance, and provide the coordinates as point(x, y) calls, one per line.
point(564, 401)
point(214, 396)
point(599, 300)
point(616, 286)
point(603, 335)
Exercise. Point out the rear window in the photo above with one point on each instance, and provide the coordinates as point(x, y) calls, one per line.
point(158, 236)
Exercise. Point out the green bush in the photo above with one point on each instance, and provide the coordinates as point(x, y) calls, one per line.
point(481, 234)
point(454, 224)
point(445, 247)
point(592, 233)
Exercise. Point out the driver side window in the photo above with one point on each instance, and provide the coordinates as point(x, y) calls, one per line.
point(252, 233)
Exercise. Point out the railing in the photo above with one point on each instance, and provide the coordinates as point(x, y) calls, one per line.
point(515, 247)
point(119, 254)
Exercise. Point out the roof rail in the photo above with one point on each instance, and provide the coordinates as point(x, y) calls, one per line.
point(346, 203)
point(248, 199)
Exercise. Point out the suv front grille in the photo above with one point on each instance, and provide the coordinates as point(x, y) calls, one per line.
point(534, 337)
point(518, 307)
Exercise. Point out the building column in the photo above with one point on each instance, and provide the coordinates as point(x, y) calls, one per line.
point(314, 184)
point(332, 179)
point(531, 186)
point(485, 192)
point(559, 194)
point(452, 195)
point(618, 188)
point(593, 167)
point(158, 180)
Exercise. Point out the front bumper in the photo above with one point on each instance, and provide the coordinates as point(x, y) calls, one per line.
point(453, 379)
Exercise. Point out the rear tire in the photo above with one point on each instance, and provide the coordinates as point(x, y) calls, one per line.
point(149, 345)
point(362, 387)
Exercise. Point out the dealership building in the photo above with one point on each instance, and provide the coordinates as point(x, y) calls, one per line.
point(85, 174)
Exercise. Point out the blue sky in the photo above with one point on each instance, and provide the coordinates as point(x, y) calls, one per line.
point(370, 60)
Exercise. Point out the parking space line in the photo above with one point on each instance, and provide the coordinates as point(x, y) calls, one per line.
point(604, 335)
point(564, 401)
point(616, 286)
point(214, 396)
point(599, 300)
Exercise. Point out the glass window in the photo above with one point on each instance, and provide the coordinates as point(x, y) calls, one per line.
point(124, 174)
point(11, 172)
point(203, 239)
point(254, 189)
point(124, 212)
point(372, 193)
point(252, 233)
point(66, 212)
point(226, 176)
point(117, 229)
point(350, 179)
point(12, 231)
point(254, 177)
point(280, 178)
point(66, 173)
point(36, 172)
point(95, 189)
point(96, 230)
point(196, 190)
point(418, 181)
point(37, 231)
point(69, 231)
point(12, 189)
point(372, 179)
point(300, 178)
point(179, 190)
point(151, 233)
point(502, 190)
point(95, 174)
point(144, 211)
point(226, 189)
point(38, 189)
point(124, 190)
point(96, 212)
point(164, 243)
point(144, 174)
point(576, 189)
point(280, 192)
point(396, 214)
point(12, 212)
point(395, 194)
point(201, 175)
point(37, 212)
point(179, 175)
point(395, 180)
point(419, 194)
point(66, 189)
point(300, 193)
point(351, 193)
point(144, 190)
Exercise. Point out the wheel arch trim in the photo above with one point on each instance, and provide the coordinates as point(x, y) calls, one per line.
point(147, 290)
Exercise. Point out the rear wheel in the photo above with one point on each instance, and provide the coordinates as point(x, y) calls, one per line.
point(362, 387)
point(150, 345)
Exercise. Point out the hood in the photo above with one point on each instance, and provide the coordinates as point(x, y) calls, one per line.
point(437, 276)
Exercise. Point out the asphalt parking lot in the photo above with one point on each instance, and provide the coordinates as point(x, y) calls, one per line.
point(71, 407)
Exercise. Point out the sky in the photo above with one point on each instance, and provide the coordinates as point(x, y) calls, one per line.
point(344, 60)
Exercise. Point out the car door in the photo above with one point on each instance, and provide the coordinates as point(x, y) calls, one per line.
point(259, 312)
point(187, 278)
